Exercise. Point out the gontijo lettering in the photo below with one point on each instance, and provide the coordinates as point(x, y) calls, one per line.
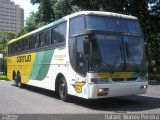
point(24, 58)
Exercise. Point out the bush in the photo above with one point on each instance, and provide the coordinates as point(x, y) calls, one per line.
point(3, 77)
point(154, 77)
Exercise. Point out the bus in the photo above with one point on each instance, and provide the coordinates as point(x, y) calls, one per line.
point(88, 54)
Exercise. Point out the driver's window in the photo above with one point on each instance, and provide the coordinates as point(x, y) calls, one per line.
point(81, 60)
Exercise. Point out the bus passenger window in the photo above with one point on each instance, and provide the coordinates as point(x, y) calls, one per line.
point(54, 36)
point(31, 42)
point(62, 33)
point(26, 43)
point(47, 36)
point(18, 46)
point(13, 48)
point(41, 40)
point(35, 41)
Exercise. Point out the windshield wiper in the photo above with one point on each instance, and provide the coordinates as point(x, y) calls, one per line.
point(121, 52)
point(117, 58)
point(130, 56)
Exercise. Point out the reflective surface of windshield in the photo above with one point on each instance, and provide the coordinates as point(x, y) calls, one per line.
point(116, 53)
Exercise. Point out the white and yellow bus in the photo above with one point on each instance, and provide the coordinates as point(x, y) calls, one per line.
point(89, 54)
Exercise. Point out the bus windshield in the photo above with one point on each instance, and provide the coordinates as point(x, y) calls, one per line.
point(117, 53)
point(112, 24)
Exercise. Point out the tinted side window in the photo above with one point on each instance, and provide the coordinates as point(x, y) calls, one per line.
point(77, 25)
point(47, 37)
point(31, 42)
point(18, 46)
point(9, 49)
point(41, 39)
point(23, 44)
point(14, 47)
point(26, 46)
point(59, 34)
point(54, 35)
point(62, 33)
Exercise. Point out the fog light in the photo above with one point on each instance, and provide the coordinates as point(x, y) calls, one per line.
point(102, 92)
point(143, 86)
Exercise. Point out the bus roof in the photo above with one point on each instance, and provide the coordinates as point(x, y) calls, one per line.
point(99, 13)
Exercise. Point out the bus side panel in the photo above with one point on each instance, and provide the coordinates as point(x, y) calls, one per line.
point(21, 63)
point(39, 75)
point(12, 65)
point(26, 67)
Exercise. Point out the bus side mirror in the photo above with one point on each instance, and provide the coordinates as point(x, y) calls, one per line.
point(86, 46)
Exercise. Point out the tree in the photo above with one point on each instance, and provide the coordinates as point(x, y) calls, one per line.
point(45, 13)
point(152, 35)
point(62, 8)
point(4, 38)
point(31, 23)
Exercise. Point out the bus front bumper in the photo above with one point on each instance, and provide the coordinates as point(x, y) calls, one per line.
point(117, 89)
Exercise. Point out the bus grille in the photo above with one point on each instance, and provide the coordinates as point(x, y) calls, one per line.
point(124, 79)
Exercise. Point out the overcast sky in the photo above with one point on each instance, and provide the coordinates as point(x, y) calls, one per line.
point(27, 6)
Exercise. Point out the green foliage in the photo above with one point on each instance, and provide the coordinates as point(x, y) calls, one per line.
point(62, 8)
point(4, 38)
point(3, 77)
point(32, 23)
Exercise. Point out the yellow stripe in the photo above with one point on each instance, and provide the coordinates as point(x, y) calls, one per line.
point(116, 75)
point(59, 59)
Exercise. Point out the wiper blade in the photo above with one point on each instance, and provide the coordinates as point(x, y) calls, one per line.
point(120, 47)
point(129, 55)
point(127, 52)
point(117, 58)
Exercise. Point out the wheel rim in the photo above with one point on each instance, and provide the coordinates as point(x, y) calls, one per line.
point(19, 84)
point(62, 90)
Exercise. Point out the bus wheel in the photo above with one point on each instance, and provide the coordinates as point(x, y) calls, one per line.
point(19, 83)
point(62, 89)
point(16, 81)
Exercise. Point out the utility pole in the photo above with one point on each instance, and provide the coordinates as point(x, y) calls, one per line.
point(1, 57)
point(3, 60)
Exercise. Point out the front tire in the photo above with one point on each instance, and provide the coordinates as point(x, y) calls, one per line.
point(62, 89)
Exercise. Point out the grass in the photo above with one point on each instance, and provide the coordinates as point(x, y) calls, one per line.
point(3, 77)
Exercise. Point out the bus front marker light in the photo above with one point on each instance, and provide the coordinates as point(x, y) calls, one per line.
point(102, 92)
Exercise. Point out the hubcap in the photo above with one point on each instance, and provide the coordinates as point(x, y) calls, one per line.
point(62, 90)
